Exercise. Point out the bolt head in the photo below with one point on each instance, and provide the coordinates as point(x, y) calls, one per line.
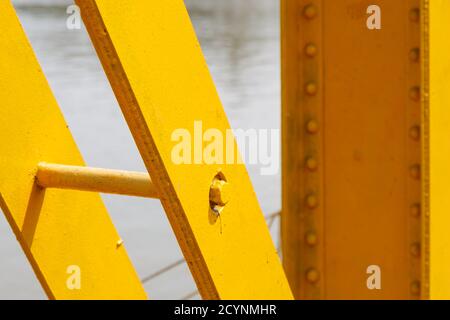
point(415, 249)
point(311, 164)
point(414, 133)
point(311, 89)
point(312, 127)
point(311, 238)
point(415, 210)
point(310, 11)
point(414, 93)
point(312, 275)
point(415, 172)
point(414, 15)
point(311, 201)
point(414, 55)
point(311, 50)
point(415, 288)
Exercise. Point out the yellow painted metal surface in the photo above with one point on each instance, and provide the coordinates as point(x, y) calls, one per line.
point(63, 233)
point(139, 184)
point(360, 158)
point(156, 68)
point(436, 88)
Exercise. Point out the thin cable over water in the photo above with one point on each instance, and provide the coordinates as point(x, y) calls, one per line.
point(163, 270)
point(271, 219)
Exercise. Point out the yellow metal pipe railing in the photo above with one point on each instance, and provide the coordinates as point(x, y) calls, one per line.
point(128, 183)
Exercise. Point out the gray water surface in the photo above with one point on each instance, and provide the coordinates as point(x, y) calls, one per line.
point(240, 40)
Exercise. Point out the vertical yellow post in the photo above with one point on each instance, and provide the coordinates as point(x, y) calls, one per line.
point(67, 236)
point(361, 188)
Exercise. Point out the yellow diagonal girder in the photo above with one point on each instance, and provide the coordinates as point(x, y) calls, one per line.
point(156, 68)
point(63, 233)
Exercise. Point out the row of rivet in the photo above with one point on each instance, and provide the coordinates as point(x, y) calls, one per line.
point(312, 127)
point(310, 51)
point(415, 169)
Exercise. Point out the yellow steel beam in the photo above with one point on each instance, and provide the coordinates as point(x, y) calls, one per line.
point(129, 183)
point(67, 236)
point(436, 151)
point(157, 71)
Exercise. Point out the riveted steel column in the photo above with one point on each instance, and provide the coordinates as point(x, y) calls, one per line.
point(303, 103)
point(352, 148)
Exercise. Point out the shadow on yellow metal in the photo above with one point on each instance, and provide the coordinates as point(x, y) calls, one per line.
point(156, 68)
point(366, 112)
point(59, 230)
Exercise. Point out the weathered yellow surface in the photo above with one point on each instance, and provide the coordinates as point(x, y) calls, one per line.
point(367, 149)
point(436, 196)
point(56, 228)
point(156, 68)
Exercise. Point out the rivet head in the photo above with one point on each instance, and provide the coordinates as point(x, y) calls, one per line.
point(310, 11)
point(414, 15)
point(415, 288)
point(311, 238)
point(415, 249)
point(414, 55)
point(311, 201)
point(312, 275)
point(414, 171)
point(414, 93)
point(312, 126)
point(415, 210)
point(311, 164)
point(311, 50)
point(311, 89)
point(414, 133)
